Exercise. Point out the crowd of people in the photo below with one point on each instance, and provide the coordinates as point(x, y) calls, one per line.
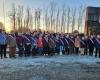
point(39, 43)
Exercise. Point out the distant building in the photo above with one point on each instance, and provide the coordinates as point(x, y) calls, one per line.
point(92, 21)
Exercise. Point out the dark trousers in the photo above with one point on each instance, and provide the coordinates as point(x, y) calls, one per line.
point(3, 51)
point(34, 51)
point(71, 50)
point(57, 49)
point(97, 51)
point(91, 49)
point(52, 51)
point(40, 51)
point(46, 50)
point(21, 50)
point(27, 50)
point(77, 50)
point(67, 50)
point(85, 50)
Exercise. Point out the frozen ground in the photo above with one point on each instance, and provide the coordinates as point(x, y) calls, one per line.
point(51, 68)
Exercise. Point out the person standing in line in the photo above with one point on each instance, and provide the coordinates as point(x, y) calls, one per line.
point(27, 44)
point(71, 40)
point(82, 45)
point(91, 45)
point(3, 44)
point(86, 45)
point(33, 44)
point(57, 48)
point(66, 43)
point(61, 45)
point(77, 44)
point(40, 44)
point(11, 41)
point(71, 44)
point(52, 45)
point(97, 45)
point(20, 44)
point(46, 44)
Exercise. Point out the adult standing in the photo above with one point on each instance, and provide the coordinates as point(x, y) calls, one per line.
point(40, 44)
point(97, 45)
point(27, 44)
point(3, 44)
point(91, 45)
point(86, 45)
point(11, 40)
point(52, 45)
point(20, 44)
point(77, 44)
point(46, 44)
point(82, 45)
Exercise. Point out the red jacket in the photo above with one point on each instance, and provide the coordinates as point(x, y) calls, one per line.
point(40, 42)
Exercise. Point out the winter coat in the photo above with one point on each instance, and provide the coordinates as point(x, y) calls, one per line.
point(52, 43)
point(97, 43)
point(40, 42)
point(45, 42)
point(3, 39)
point(11, 41)
point(19, 39)
point(26, 39)
point(77, 42)
point(82, 44)
point(61, 42)
point(71, 41)
point(91, 43)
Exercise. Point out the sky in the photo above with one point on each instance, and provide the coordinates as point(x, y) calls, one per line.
point(42, 4)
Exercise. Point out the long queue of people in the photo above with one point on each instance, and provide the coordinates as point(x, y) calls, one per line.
point(45, 43)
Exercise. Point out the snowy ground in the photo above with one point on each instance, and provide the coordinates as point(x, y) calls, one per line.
point(70, 67)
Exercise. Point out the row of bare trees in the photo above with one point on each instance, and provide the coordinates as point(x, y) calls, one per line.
point(21, 19)
point(55, 19)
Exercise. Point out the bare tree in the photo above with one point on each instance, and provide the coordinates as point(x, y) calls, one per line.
point(80, 16)
point(57, 20)
point(68, 19)
point(73, 18)
point(52, 14)
point(47, 20)
point(27, 18)
point(63, 22)
point(37, 18)
point(12, 16)
point(20, 18)
point(31, 21)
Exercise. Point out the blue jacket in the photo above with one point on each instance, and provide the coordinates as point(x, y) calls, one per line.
point(3, 39)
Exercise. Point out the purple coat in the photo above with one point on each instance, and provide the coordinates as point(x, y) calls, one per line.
point(19, 39)
point(82, 43)
point(61, 42)
point(26, 39)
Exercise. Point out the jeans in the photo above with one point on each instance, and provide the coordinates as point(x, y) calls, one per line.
point(61, 49)
point(40, 51)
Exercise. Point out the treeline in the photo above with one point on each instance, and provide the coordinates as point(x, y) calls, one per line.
point(52, 18)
